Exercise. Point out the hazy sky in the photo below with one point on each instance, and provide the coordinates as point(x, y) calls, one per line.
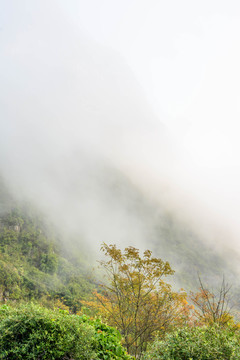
point(152, 85)
point(186, 56)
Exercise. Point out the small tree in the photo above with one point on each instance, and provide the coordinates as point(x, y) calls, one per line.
point(136, 299)
point(212, 307)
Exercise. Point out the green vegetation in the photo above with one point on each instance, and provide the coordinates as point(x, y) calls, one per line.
point(108, 341)
point(32, 332)
point(138, 301)
point(206, 343)
point(136, 298)
point(155, 321)
point(33, 265)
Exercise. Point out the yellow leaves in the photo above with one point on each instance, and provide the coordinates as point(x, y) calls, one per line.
point(131, 253)
point(137, 300)
point(124, 267)
point(112, 251)
point(60, 305)
point(147, 254)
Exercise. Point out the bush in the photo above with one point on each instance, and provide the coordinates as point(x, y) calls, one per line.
point(31, 332)
point(208, 343)
point(108, 342)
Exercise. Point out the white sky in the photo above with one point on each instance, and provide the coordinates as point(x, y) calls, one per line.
point(185, 55)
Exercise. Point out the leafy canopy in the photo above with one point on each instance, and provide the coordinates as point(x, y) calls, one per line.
point(135, 298)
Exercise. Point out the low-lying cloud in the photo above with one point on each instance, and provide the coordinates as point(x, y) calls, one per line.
point(74, 115)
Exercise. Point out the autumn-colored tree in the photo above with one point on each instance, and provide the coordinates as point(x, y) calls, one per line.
point(136, 299)
point(212, 307)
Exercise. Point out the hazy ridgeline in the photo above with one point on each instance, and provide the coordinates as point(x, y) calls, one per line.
point(79, 140)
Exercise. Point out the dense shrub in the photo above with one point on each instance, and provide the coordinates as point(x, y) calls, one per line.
point(31, 332)
point(208, 343)
point(108, 341)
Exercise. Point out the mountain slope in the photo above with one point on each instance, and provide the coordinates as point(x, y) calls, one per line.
point(33, 264)
point(37, 261)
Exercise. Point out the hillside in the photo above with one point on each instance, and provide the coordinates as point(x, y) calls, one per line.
point(37, 262)
point(165, 234)
point(33, 264)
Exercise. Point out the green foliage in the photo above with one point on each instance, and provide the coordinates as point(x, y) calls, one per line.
point(49, 263)
point(10, 281)
point(207, 343)
point(108, 341)
point(32, 332)
point(32, 263)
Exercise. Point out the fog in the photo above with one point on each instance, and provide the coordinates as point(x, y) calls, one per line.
point(94, 94)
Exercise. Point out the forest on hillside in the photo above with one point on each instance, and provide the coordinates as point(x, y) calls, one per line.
point(143, 312)
point(38, 261)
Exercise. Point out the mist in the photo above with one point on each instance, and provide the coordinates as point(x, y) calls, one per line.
point(140, 92)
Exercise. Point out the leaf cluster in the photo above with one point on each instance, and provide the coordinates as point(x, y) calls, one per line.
point(32, 332)
point(198, 343)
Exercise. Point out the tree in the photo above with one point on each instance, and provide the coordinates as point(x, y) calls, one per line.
point(135, 299)
point(212, 307)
